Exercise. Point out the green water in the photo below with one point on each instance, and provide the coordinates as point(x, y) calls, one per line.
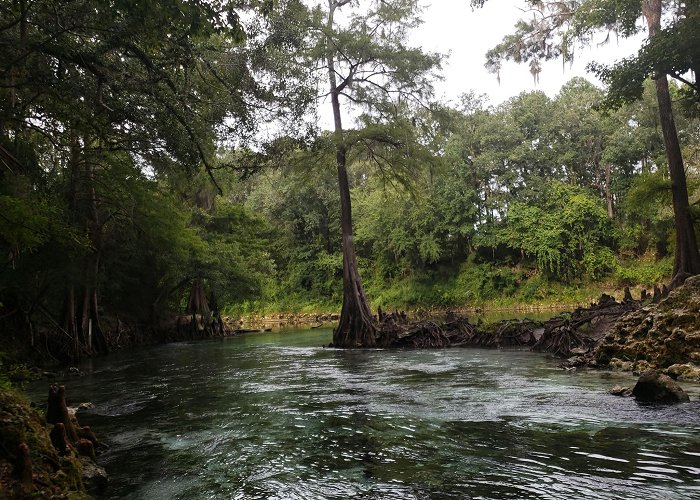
point(275, 415)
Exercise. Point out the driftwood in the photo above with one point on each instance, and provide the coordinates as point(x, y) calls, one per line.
point(460, 331)
point(396, 331)
point(424, 334)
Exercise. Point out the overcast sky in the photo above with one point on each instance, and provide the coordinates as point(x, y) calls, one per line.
point(452, 26)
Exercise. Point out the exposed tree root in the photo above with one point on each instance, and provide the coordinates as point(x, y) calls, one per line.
point(578, 334)
point(575, 334)
point(421, 335)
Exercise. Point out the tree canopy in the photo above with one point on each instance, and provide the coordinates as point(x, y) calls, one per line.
point(556, 27)
point(153, 180)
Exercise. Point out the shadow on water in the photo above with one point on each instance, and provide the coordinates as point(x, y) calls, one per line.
point(275, 415)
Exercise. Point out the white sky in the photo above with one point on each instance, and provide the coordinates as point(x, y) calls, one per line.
point(452, 26)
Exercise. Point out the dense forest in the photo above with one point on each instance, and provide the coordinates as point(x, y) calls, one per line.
point(166, 159)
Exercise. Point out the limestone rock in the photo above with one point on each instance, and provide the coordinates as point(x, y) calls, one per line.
point(94, 477)
point(687, 372)
point(655, 387)
point(661, 335)
point(619, 390)
point(641, 366)
point(621, 366)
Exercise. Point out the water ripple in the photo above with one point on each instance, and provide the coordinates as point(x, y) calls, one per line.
point(275, 416)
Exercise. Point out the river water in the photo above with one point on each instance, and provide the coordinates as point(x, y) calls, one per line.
point(275, 415)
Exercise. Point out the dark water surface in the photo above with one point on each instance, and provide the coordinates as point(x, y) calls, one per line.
point(276, 416)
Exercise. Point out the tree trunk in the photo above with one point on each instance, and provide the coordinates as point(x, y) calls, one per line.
point(90, 321)
point(687, 257)
point(204, 319)
point(70, 310)
point(608, 191)
point(81, 319)
point(69, 323)
point(356, 327)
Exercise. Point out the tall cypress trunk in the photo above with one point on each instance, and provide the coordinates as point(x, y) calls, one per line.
point(608, 190)
point(90, 324)
point(356, 327)
point(71, 325)
point(81, 317)
point(687, 257)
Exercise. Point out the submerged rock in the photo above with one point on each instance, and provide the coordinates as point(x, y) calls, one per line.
point(655, 387)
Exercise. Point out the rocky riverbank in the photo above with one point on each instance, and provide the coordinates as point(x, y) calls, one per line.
point(664, 336)
point(39, 459)
point(659, 331)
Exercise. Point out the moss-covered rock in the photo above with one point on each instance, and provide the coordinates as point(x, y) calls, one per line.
point(45, 474)
point(659, 335)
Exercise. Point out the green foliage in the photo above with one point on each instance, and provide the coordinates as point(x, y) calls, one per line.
point(648, 218)
point(674, 50)
point(235, 261)
point(567, 233)
point(514, 210)
point(110, 122)
point(14, 372)
point(536, 288)
point(644, 272)
point(121, 145)
point(478, 283)
point(23, 227)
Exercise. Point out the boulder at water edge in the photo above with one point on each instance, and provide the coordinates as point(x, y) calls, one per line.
point(655, 387)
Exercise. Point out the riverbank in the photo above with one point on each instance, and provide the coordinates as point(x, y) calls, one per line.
point(663, 335)
point(305, 319)
point(38, 463)
point(262, 315)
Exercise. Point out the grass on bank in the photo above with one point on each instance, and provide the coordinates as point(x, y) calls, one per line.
point(471, 286)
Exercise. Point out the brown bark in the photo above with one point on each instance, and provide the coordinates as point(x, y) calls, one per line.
point(57, 411)
point(687, 257)
point(205, 315)
point(59, 440)
point(24, 471)
point(81, 317)
point(197, 303)
point(91, 329)
point(69, 323)
point(356, 327)
point(608, 191)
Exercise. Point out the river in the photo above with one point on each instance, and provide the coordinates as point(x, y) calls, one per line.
point(277, 416)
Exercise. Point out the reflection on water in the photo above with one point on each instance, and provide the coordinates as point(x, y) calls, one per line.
point(277, 416)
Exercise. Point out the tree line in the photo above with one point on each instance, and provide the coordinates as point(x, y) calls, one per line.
point(164, 158)
point(525, 200)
